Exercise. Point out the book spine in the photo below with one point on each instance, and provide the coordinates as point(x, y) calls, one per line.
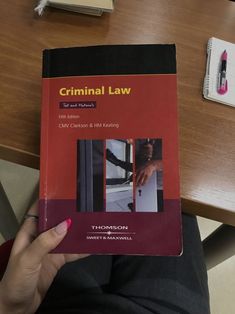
point(206, 84)
point(209, 46)
point(44, 142)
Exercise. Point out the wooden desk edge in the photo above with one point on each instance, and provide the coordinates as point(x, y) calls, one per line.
point(188, 206)
point(20, 157)
point(205, 210)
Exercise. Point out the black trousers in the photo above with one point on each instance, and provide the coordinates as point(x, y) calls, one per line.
point(134, 284)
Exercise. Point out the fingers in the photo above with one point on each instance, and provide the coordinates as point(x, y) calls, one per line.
point(144, 174)
point(139, 178)
point(45, 243)
point(74, 257)
point(144, 180)
point(27, 232)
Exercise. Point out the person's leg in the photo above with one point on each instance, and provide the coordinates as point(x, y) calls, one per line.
point(90, 275)
point(166, 284)
point(143, 285)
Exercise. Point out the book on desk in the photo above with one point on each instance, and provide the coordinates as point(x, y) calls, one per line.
point(219, 81)
point(109, 149)
point(90, 7)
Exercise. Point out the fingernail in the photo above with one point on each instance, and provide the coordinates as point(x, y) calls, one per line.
point(63, 226)
point(69, 223)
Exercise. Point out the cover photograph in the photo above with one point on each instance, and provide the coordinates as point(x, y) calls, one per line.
point(109, 149)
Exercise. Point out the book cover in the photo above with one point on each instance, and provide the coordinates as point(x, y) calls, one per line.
point(109, 149)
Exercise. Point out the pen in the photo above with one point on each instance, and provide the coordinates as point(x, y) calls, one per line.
point(222, 81)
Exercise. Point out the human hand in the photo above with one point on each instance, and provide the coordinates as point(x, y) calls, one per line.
point(145, 172)
point(31, 269)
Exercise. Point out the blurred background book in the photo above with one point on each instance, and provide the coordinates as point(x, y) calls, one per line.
point(91, 7)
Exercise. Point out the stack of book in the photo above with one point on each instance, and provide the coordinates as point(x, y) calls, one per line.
point(91, 7)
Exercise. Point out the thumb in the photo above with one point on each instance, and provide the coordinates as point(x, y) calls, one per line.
point(45, 243)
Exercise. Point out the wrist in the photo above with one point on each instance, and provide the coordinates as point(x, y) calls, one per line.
point(3, 306)
point(6, 306)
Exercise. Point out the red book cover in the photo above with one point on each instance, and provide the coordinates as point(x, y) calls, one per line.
point(109, 149)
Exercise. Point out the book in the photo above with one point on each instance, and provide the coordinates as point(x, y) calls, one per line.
point(220, 54)
point(109, 149)
point(91, 7)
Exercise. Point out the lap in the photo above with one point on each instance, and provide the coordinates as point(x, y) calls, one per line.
point(138, 284)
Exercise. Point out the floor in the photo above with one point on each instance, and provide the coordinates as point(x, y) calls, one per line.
point(20, 183)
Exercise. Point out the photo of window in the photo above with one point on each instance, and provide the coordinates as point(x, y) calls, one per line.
point(119, 175)
point(90, 175)
point(148, 175)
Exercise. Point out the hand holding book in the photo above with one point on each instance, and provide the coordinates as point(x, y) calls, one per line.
point(31, 269)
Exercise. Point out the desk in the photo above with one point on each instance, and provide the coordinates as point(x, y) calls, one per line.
point(207, 129)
